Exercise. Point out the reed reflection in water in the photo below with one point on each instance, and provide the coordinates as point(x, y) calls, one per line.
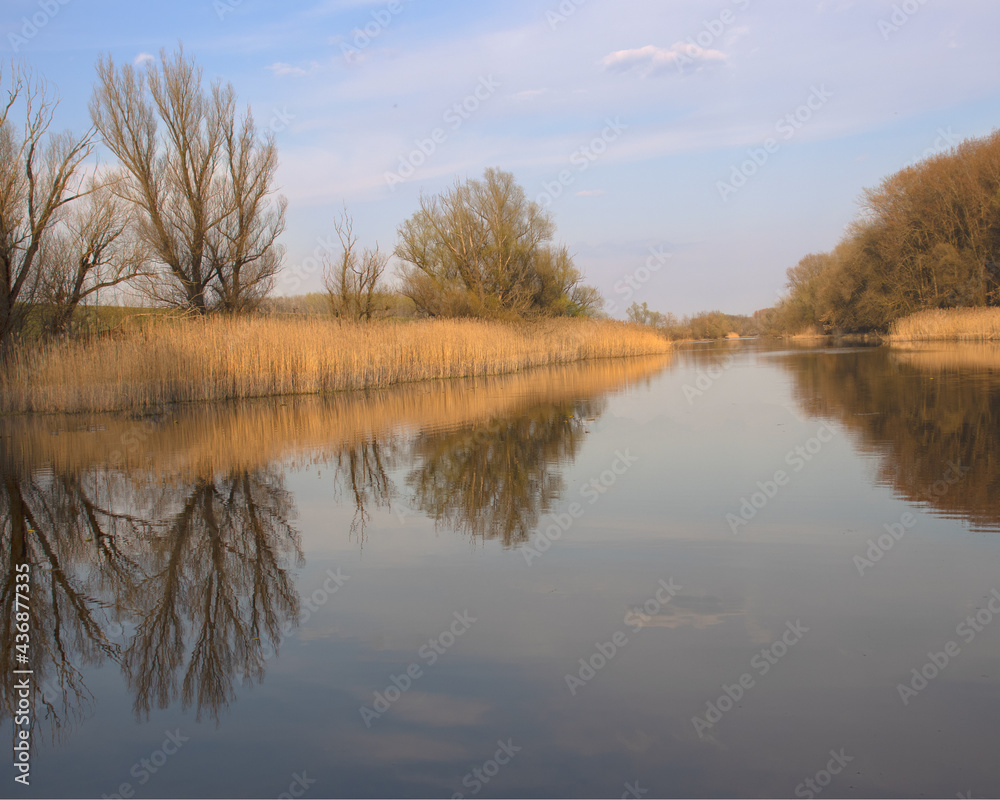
point(166, 544)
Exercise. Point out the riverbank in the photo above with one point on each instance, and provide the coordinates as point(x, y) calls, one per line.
point(948, 324)
point(192, 360)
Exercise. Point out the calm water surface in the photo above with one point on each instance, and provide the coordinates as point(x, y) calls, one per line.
point(711, 575)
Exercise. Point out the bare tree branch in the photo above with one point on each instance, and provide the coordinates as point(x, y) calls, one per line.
point(203, 186)
point(354, 281)
point(39, 175)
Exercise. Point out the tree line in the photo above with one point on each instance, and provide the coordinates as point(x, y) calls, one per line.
point(188, 215)
point(706, 325)
point(927, 237)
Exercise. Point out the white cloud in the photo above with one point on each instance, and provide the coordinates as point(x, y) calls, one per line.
point(834, 5)
point(528, 94)
point(736, 34)
point(281, 69)
point(339, 6)
point(651, 60)
point(142, 58)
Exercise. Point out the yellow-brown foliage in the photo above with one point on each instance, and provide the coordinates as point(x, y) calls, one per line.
point(958, 324)
point(217, 358)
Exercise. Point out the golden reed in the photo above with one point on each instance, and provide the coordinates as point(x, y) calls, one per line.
point(956, 324)
point(190, 360)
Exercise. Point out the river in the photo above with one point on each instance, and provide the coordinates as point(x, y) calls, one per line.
point(745, 569)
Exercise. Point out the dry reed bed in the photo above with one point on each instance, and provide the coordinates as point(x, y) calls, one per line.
point(225, 358)
point(203, 439)
point(955, 324)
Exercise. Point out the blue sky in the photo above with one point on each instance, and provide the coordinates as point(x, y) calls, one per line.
point(646, 126)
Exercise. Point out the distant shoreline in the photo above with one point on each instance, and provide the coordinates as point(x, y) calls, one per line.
point(932, 325)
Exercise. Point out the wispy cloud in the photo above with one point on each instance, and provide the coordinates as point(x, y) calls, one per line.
point(653, 60)
point(328, 7)
point(142, 58)
point(281, 69)
point(528, 94)
point(834, 5)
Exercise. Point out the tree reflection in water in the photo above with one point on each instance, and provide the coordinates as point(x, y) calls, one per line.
point(216, 573)
point(186, 582)
point(362, 471)
point(192, 577)
point(918, 411)
point(68, 625)
point(165, 545)
point(495, 480)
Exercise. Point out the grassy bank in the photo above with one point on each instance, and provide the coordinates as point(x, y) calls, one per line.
point(231, 358)
point(955, 324)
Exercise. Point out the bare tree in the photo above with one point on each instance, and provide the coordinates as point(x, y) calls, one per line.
point(94, 249)
point(559, 285)
point(472, 247)
point(353, 281)
point(39, 175)
point(482, 249)
point(203, 188)
point(245, 255)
